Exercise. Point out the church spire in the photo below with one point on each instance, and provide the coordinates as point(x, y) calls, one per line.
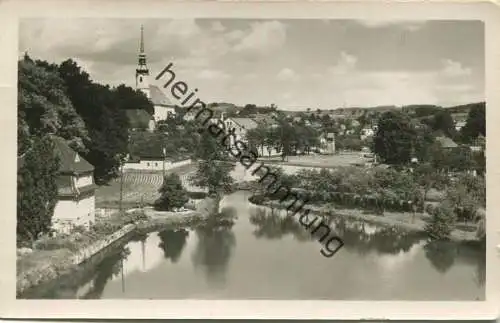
point(142, 71)
point(142, 39)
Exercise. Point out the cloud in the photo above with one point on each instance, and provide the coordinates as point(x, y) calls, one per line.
point(263, 38)
point(211, 74)
point(455, 69)
point(287, 74)
point(217, 26)
point(404, 24)
point(345, 64)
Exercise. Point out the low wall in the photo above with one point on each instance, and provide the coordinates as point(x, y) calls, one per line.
point(41, 275)
point(95, 248)
point(155, 165)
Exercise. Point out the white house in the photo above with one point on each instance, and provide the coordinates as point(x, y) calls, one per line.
point(240, 126)
point(367, 132)
point(327, 141)
point(459, 125)
point(75, 189)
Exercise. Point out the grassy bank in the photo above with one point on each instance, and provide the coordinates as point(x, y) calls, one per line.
point(52, 257)
point(408, 221)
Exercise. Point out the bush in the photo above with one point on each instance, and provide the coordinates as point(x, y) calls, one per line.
point(257, 199)
point(441, 224)
point(173, 195)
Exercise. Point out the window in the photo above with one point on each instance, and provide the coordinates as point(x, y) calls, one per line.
point(140, 79)
point(156, 164)
point(148, 164)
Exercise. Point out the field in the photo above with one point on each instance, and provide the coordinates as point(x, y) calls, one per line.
point(338, 160)
point(139, 187)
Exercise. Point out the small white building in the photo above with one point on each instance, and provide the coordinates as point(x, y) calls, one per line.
point(75, 189)
point(241, 126)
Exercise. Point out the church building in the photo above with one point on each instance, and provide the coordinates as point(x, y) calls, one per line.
point(163, 107)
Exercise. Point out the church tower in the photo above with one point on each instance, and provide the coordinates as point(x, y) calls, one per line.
point(142, 71)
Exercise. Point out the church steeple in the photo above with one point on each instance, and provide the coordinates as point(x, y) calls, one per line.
point(142, 71)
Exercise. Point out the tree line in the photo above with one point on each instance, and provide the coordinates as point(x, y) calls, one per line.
point(62, 100)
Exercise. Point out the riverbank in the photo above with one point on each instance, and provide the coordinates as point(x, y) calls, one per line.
point(63, 255)
point(403, 220)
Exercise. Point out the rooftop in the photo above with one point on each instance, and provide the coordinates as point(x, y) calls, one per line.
point(246, 123)
point(70, 160)
point(158, 97)
point(446, 142)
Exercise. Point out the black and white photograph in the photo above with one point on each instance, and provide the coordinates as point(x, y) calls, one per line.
point(259, 159)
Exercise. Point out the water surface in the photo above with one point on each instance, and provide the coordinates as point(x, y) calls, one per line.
point(268, 256)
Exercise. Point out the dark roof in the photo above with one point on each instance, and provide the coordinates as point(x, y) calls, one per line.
point(138, 118)
point(70, 161)
point(446, 142)
point(246, 123)
point(158, 97)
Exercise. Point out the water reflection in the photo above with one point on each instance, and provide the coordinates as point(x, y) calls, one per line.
point(172, 243)
point(215, 245)
point(108, 269)
point(358, 236)
point(364, 238)
point(272, 226)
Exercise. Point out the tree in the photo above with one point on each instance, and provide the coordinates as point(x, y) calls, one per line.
point(257, 137)
point(443, 121)
point(394, 142)
point(215, 176)
point(475, 124)
point(173, 195)
point(128, 98)
point(441, 223)
point(429, 177)
point(214, 168)
point(101, 109)
point(36, 189)
point(44, 106)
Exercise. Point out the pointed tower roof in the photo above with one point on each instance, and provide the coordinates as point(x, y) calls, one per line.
point(142, 39)
point(142, 67)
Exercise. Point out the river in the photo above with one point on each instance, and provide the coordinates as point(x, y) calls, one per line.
point(268, 256)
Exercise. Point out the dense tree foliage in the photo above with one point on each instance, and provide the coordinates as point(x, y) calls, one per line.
point(36, 189)
point(394, 142)
point(130, 99)
point(44, 107)
point(475, 124)
point(173, 195)
point(441, 224)
point(442, 121)
point(214, 167)
point(103, 111)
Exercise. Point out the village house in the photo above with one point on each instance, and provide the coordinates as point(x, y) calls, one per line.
point(367, 132)
point(446, 143)
point(240, 125)
point(327, 141)
point(75, 189)
point(148, 152)
point(459, 125)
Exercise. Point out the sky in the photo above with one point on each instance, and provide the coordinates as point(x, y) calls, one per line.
point(295, 64)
